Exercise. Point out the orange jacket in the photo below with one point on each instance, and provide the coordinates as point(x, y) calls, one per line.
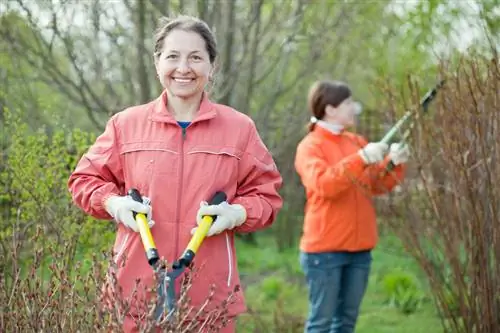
point(339, 213)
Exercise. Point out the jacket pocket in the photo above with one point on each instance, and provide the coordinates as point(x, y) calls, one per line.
point(215, 263)
point(213, 150)
point(147, 158)
point(218, 162)
point(225, 268)
point(229, 263)
point(120, 248)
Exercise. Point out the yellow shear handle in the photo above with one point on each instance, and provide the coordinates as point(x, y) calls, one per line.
point(202, 230)
point(200, 233)
point(147, 238)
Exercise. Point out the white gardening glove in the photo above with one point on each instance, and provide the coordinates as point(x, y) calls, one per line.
point(373, 152)
point(228, 216)
point(399, 153)
point(121, 208)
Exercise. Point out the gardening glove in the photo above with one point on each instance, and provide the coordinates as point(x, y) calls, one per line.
point(399, 153)
point(373, 152)
point(228, 216)
point(121, 208)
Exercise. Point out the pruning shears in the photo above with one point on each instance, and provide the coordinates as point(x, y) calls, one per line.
point(166, 287)
point(410, 115)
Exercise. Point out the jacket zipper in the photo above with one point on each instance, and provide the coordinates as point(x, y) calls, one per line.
point(229, 260)
point(179, 194)
point(356, 219)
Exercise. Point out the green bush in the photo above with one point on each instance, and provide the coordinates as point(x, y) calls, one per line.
point(33, 181)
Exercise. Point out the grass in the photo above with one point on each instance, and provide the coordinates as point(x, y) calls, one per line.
point(275, 290)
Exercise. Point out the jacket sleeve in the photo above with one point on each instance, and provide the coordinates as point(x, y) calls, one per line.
point(98, 174)
point(326, 179)
point(259, 182)
point(384, 182)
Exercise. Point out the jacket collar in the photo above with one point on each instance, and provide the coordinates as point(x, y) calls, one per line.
point(327, 132)
point(333, 128)
point(160, 113)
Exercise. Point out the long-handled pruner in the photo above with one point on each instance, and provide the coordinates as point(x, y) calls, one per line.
point(166, 287)
point(410, 115)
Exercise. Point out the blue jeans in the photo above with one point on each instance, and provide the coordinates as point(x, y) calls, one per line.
point(337, 283)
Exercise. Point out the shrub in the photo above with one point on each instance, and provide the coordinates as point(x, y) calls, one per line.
point(451, 216)
point(57, 293)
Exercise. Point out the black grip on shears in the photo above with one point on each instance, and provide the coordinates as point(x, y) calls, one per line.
point(136, 196)
point(218, 198)
point(146, 237)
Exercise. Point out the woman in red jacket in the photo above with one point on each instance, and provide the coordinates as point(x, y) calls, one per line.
point(340, 172)
point(178, 150)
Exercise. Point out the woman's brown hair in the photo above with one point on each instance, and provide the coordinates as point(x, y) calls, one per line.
point(323, 93)
point(186, 23)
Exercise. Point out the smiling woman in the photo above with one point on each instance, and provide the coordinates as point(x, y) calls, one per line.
point(185, 52)
point(178, 151)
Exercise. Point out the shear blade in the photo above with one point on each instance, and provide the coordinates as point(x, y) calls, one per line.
point(162, 294)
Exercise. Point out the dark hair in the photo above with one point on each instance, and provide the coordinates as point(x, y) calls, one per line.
point(186, 23)
point(323, 93)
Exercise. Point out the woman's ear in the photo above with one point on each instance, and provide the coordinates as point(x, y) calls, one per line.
point(330, 110)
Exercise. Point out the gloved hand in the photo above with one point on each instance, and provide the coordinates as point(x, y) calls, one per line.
point(399, 153)
point(228, 216)
point(373, 152)
point(121, 208)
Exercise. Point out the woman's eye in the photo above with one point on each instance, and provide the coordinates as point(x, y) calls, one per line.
point(171, 56)
point(197, 58)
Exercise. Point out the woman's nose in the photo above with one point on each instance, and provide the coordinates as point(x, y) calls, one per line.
point(183, 66)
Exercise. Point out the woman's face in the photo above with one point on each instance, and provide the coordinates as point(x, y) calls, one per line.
point(184, 67)
point(345, 113)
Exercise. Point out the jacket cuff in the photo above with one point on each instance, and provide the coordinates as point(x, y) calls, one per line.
point(247, 207)
point(259, 214)
point(100, 196)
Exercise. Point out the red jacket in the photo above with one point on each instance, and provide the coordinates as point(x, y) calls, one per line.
point(339, 213)
point(144, 147)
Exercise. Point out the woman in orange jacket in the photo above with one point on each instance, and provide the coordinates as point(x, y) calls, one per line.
point(341, 172)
